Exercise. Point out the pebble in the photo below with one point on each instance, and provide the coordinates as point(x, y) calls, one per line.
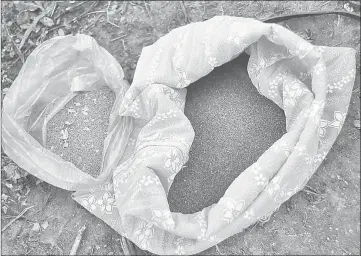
point(74, 137)
point(356, 123)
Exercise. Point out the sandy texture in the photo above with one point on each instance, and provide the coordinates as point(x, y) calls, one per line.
point(233, 126)
point(85, 118)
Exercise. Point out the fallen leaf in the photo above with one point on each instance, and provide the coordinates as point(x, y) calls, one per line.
point(38, 182)
point(13, 172)
point(77, 104)
point(9, 185)
point(61, 32)
point(25, 26)
point(70, 110)
point(45, 225)
point(356, 123)
point(25, 5)
point(4, 197)
point(85, 113)
point(46, 21)
point(5, 209)
point(36, 227)
point(23, 17)
point(85, 108)
point(86, 129)
point(66, 144)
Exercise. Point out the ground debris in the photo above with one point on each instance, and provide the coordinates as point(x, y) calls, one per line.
point(46, 21)
point(356, 123)
point(77, 241)
point(17, 217)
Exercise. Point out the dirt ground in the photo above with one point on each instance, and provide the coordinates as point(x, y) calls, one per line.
point(323, 219)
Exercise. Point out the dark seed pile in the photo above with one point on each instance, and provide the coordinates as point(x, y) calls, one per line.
point(77, 131)
point(233, 127)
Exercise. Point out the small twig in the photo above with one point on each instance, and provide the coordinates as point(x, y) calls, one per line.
point(96, 12)
point(21, 55)
point(310, 188)
point(31, 28)
point(21, 217)
point(55, 5)
point(57, 246)
point(356, 89)
point(124, 7)
point(117, 38)
point(186, 16)
point(56, 27)
point(253, 227)
point(222, 9)
point(14, 62)
point(125, 48)
point(70, 9)
point(218, 250)
point(84, 13)
point(325, 3)
point(111, 23)
point(17, 217)
point(27, 253)
point(311, 192)
point(127, 246)
point(146, 8)
point(77, 240)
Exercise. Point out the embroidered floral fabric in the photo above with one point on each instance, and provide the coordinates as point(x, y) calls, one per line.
point(149, 136)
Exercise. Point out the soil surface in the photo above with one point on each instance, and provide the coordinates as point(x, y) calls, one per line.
point(324, 218)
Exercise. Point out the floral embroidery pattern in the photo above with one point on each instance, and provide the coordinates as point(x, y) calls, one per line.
point(338, 119)
point(184, 80)
point(147, 180)
point(106, 203)
point(292, 91)
point(163, 116)
point(172, 160)
point(201, 219)
point(179, 246)
point(274, 186)
point(345, 79)
point(143, 234)
point(134, 108)
point(89, 203)
point(272, 91)
point(322, 127)
point(232, 209)
point(164, 217)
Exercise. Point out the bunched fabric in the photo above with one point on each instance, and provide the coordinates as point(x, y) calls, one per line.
point(149, 136)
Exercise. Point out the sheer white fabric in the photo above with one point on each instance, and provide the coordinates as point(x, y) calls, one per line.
point(150, 137)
